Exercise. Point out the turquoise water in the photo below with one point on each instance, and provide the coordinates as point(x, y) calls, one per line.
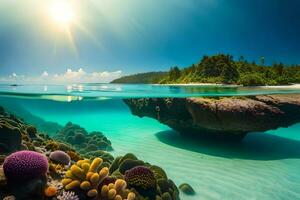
point(263, 166)
point(100, 91)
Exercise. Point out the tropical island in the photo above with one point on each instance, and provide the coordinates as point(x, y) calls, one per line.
point(221, 69)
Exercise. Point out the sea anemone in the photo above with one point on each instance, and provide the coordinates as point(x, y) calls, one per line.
point(60, 157)
point(25, 165)
point(68, 196)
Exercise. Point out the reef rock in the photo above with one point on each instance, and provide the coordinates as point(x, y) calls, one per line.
point(81, 140)
point(10, 138)
point(221, 117)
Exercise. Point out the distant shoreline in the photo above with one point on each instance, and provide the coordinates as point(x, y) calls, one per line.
point(293, 86)
point(296, 86)
point(198, 84)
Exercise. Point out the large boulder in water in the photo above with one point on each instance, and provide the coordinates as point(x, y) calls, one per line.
point(220, 117)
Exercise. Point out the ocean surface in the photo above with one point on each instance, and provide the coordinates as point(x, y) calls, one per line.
point(263, 166)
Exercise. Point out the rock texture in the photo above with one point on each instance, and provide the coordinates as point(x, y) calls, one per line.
point(221, 117)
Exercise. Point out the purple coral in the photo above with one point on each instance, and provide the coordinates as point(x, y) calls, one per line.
point(60, 157)
point(141, 177)
point(68, 196)
point(25, 165)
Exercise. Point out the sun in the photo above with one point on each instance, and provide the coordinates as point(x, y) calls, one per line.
point(62, 13)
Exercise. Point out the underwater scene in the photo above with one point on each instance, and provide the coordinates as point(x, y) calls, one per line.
point(154, 146)
point(149, 100)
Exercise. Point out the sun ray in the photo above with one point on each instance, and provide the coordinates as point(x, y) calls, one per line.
point(89, 34)
point(71, 41)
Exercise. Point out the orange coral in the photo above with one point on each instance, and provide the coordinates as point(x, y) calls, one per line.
point(50, 191)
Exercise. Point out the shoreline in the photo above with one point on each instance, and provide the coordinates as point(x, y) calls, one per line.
point(296, 86)
point(199, 84)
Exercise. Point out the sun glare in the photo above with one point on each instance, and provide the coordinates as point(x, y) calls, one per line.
point(62, 13)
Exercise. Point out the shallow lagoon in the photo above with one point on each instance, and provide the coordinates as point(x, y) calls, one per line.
point(262, 166)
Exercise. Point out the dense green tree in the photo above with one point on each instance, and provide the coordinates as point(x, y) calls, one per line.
point(229, 74)
point(174, 73)
point(251, 80)
point(222, 68)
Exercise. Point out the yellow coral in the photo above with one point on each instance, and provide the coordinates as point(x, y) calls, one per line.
point(84, 175)
point(78, 172)
point(116, 191)
point(85, 185)
point(104, 191)
point(118, 197)
point(112, 193)
point(95, 164)
point(92, 193)
point(94, 178)
point(72, 185)
point(66, 181)
point(131, 196)
point(88, 175)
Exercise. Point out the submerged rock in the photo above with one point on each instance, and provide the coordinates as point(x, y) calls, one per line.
point(187, 189)
point(225, 118)
point(10, 138)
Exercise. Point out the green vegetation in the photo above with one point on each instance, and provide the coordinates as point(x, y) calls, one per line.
point(223, 68)
point(150, 77)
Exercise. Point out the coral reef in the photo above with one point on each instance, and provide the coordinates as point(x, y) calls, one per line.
point(10, 134)
point(81, 140)
point(142, 179)
point(25, 165)
point(116, 191)
point(38, 167)
point(50, 191)
point(68, 196)
point(146, 180)
point(86, 175)
point(94, 181)
point(60, 157)
point(10, 138)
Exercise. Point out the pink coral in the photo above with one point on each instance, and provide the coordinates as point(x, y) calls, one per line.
point(25, 165)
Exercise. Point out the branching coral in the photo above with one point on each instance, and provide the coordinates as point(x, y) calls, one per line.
point(91, 178)
point(116, 191)
point(68, 196)
point(86, 175)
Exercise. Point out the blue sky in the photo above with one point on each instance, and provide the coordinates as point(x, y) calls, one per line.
point(129, 36)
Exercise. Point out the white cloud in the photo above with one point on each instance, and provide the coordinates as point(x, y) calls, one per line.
point(70, 76)
point(45, 74)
